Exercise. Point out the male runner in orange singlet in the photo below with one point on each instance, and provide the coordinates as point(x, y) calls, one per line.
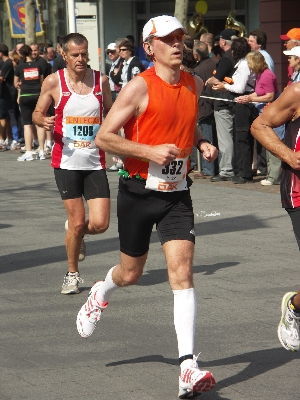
point(158, 110)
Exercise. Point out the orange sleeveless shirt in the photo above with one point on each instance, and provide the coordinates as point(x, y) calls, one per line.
point(170, 117)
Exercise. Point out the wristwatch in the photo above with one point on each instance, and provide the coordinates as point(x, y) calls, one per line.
point(202, 141)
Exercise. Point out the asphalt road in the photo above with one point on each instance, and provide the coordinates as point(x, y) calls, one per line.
point(246, 259)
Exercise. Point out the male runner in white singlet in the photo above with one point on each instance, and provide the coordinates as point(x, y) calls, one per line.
point(80, 96)
point(158, 110)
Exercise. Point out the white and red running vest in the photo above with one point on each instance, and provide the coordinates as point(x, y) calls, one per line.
point(78, 119)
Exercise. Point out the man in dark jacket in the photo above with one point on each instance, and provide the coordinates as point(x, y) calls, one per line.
point(223, 110)
point(206, 120)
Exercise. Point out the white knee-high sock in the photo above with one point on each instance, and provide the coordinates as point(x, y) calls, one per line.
point(107, 288)
point(185, 311)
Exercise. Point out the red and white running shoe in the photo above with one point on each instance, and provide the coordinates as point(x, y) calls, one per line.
point(90, 313)
point(193, 381)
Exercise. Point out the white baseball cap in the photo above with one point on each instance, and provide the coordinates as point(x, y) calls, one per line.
point(295, 51)
point(161, 26)
point(111, 46)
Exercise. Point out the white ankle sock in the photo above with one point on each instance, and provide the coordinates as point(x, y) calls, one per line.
point(185, 311)
point(107, 288)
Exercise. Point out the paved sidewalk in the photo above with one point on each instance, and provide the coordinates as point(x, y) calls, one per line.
point(246, 259)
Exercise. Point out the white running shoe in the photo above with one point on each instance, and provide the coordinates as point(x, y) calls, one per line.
point(266, 182)
point(193, 381)
point(41, 156)
point(70, 284)
point(289, 326)
point(90, 313)
point(14, 145)
point(26, 157)
point(113, 168)
point(82, 251)
point(47, 150)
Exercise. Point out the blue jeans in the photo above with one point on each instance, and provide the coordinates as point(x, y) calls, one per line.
point(13, 122)
point(207, 129)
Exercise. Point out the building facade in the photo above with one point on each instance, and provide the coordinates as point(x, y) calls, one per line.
point(123, 17)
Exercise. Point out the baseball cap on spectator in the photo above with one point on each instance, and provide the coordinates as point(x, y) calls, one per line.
point(293, 52)
point(111, 46)
point(226, 34)
point(292, 34)
point(162, 26)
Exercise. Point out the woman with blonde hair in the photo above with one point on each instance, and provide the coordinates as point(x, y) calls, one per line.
point(266, 90)
point(266, 87)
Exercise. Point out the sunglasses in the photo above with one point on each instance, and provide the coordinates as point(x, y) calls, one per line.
point(170, 38)
point(123, 49)
point(110, 51)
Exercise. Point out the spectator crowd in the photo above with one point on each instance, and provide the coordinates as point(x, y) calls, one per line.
point(239, 82)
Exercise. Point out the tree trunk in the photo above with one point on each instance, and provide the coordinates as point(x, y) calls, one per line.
point(181, 9)
point(29, 21)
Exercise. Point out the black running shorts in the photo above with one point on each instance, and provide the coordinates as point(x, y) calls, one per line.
point(73, 184)
point(294, 214)
point(139, 209)
point(27, 106)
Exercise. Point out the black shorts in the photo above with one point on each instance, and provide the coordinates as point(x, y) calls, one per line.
point(139, 209)
point(294, 214)
point(27, 106)
point(73, 184)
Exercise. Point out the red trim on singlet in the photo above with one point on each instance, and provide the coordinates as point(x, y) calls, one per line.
point(290, 178)
point(58, 143)
point(98, 89)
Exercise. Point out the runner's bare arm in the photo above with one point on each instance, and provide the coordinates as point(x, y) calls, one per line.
point(107, 100)
point(47, 96)
point(132, 101)
point(282, 110)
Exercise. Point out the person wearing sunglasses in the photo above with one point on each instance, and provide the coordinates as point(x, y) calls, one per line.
point(131, 64)
point(291, 39)
point(158, 110)
point(294, 63)
point(116, 63)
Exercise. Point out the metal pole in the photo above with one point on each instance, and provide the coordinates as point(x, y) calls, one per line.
point(198, 161)
point(101, 30)
point(71, 14)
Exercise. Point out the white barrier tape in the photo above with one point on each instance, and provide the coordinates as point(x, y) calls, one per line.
point(232, 101)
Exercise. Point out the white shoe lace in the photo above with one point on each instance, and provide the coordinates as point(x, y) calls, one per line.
point(69, 278)
point(195, 363)
point(93, 309)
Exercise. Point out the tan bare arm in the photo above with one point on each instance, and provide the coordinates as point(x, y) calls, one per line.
point(284, 109)
point(49, 94)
